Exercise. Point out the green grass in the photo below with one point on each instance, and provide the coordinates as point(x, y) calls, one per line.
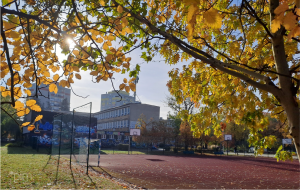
point(24, 168)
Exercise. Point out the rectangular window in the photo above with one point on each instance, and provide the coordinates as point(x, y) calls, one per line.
point(103, 136)
point(128, 110)
point(111, 137)
point(124, 111)
point(119, 137)
point(126, 138)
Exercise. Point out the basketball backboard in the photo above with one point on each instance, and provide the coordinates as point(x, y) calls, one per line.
point(135, 132)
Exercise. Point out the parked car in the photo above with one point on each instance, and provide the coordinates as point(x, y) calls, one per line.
point(251, 150)
point(153, 148)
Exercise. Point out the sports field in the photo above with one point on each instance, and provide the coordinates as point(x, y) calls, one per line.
point(201, 172)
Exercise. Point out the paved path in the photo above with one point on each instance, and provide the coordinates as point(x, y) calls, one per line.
point(202, 172)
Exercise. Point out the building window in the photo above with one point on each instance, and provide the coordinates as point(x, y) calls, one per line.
point(126, 138)
point(128, 110)
point(111, 136)
point(119, 137)
point(103, 136)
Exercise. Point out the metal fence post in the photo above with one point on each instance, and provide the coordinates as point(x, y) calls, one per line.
point(72, 133)
point(89, 140)
point(99, 153)
point(60, 137)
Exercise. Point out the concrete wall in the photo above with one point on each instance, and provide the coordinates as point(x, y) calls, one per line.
point(150, 111)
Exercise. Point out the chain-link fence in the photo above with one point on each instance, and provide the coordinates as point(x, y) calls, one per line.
point(72, 133)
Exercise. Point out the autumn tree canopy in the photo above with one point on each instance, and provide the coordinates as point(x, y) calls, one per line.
point(241, 56)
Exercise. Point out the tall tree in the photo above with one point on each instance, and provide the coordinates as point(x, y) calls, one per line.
point(242, 56)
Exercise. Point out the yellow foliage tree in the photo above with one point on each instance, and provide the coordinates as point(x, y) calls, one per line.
point(241, 57)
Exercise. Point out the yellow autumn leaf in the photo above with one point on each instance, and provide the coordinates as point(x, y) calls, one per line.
point(94, 73)
point(105, 46)
point(275, 25)
point(127, 89)
point(125, 80)
point(22, 112)
point(281, 8)
point(120, 9)
point(132, 86)
point(16, 67)
point(18, 105)
point(212, 18)
point(36, 108)
point(289, 21)
point(78, 76)
point(30, 128)
point(110, 38)
point(28, 92)
point(75, 68)
point(76, 53)
point(56, 77)
point(30, 103)
point(191, 12)
point(24, 124)
point(132, 79)
point(53, 88)
point(2, 88)
point(102, 2)
point(13, 34)
point(122, 86)
point(39, 117)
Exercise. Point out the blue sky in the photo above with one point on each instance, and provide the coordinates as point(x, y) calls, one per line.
point(151, 88)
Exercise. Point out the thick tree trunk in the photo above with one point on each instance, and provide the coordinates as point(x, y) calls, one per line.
point(286, 96)
point(294, 124)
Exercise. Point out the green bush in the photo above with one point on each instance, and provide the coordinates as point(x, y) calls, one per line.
point(123, 146)
point(15, 144)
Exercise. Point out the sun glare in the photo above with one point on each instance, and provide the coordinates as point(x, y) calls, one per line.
point(70, 41)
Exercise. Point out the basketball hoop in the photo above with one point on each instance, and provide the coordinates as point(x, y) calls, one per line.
point(135, 132)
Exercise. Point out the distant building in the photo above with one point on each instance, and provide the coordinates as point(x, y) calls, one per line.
point(49, 100)
point(112, 99)
point(123, 118)
point(169, 122)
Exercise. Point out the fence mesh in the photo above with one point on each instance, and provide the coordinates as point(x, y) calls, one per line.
point(56, 140)
point(82, 132)
point(72, 133)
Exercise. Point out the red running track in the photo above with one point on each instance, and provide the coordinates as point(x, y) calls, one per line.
point(202, 172)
